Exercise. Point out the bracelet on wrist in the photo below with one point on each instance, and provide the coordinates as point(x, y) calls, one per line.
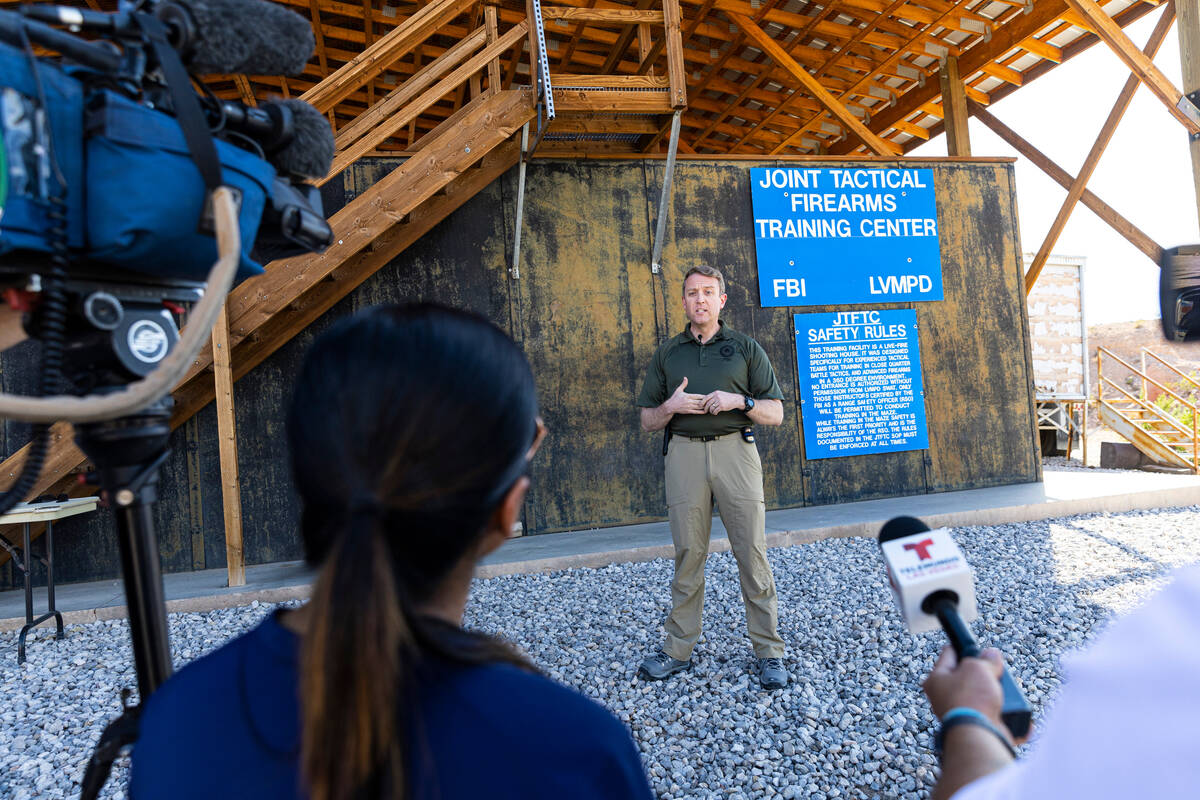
point(962, 715)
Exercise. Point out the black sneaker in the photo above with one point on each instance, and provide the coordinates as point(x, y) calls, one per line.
point(659, 666)
point(771, 673)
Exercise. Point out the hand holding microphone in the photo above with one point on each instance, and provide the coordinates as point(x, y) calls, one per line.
point(933, 587)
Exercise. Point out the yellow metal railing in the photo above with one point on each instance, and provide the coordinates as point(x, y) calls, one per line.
point(1186, 441)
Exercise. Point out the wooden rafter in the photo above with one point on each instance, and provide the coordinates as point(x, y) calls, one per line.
point(822, 70)
point(752, 86)
point(1093, 157)
point(1133, 234)
point(1158, 83)
point(891, 60)
point(319, 35)
point(954, 104)
point(831, 103)
point(878, 57)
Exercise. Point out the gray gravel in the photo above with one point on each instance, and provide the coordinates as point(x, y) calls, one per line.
point(852, 724)
point(1064, 464)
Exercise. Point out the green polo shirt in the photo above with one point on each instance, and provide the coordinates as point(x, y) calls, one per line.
point(728, 362)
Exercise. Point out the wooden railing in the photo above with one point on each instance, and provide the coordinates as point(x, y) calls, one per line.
point(627, 92)
point(463, 66)
point(1153, 429)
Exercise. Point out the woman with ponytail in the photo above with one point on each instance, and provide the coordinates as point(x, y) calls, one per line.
point(411, 431)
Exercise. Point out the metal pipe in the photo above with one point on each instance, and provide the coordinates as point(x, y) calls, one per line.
point(516, 257)
point(660, 228)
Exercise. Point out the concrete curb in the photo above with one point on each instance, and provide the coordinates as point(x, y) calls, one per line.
point(183, 604)
point(1132, 501)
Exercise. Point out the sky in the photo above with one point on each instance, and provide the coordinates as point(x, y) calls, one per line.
point(1145, 173)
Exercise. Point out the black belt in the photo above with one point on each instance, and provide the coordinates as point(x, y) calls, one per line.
point(707, 438)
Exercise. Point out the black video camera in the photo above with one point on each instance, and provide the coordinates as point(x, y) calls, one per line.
point(1179, 293)
point(101, 166)
point(100, 145)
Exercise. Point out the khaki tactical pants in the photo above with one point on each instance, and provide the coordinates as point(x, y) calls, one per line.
point(729, 469)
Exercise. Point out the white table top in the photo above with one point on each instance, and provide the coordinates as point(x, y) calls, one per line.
point(48, 512)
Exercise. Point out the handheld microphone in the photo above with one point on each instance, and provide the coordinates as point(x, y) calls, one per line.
point(235, 36)
point(933, 586)
point(295, 137)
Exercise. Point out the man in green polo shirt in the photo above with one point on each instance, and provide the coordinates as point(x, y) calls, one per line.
point(706, 385)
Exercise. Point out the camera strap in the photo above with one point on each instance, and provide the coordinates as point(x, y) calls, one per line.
point(187, 110)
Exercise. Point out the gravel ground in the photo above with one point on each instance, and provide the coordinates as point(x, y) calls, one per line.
point(852, 724)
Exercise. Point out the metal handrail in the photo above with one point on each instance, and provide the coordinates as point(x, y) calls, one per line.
point(1139, 373)
point(1148, 352)
point(1146, 405)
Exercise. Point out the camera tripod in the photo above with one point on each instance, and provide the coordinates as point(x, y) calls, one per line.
point(127, 453)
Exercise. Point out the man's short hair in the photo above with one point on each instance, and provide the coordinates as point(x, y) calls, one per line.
point(706, 271)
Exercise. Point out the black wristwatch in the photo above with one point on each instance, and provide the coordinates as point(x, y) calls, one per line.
point(749, 406)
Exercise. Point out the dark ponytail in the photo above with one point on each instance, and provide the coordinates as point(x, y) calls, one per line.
point(407, 427)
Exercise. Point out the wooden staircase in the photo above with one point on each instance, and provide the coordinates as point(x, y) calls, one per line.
point(1163, 436)
point(443, 169)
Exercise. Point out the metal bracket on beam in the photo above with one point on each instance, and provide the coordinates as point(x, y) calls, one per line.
point(515, 270)
point(661, 227)
point(1190, 104)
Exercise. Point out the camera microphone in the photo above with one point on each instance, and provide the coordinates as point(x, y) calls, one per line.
point(212, 36)
point(239, 36)
point(295, 137)
point(933, 586)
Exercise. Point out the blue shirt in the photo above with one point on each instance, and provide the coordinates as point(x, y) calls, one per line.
point(227, 726)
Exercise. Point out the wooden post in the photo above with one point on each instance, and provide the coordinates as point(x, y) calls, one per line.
point(493, 33)
point(644, 45)
point(1189, 55)
point(954, 106)
point(672, 37)
point(231, 498)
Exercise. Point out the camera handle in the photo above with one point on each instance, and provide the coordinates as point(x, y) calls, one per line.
point(127, 453)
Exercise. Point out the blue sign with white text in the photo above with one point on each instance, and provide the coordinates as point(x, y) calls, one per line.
point(860, 383)
point(835, 236)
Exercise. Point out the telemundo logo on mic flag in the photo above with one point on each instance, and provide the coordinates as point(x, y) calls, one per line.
point(840, 236)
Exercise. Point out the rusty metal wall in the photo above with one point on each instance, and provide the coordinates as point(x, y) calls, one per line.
point(588, 312)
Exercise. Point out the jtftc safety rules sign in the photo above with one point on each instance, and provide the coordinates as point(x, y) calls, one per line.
point(834, 236)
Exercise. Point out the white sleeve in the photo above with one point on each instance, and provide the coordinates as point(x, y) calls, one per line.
point(1124, 725)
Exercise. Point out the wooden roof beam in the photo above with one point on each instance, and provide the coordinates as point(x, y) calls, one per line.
point(830, 31)
point(831, 60)
point(1093, 157)
point(743, 91)
point(1009, 35)
point(835, 107)
point(1006, 74)
point(576, 35)
point(1127, 229)
point(1159, 85)
point(656, 50)
point(318, 34)
point(1042, 49)
point(892, 60)
point(621, 46)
